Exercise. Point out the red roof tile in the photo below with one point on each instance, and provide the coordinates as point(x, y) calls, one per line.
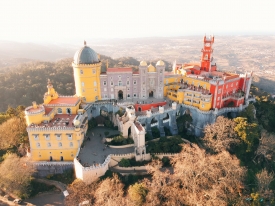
point(48, 110)
point(65, 100)
point(127, 69)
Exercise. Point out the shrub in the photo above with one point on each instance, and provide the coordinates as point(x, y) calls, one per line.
point(167, 132)
point(165, 145)
point(108, 123)
point(166, 162)
point(119, 140)
point(124, 163)
point(148, 137)
point(92, 123)
point(155, 132)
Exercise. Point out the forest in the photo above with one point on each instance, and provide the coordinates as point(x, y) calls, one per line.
point(233, 164)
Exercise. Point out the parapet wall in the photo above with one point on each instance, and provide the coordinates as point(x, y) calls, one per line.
point(92, 173)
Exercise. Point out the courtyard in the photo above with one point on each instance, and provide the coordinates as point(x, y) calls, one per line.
point(95, 151)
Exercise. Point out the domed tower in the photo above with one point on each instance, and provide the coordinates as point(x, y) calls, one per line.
point(143, 75)
point(87, 69)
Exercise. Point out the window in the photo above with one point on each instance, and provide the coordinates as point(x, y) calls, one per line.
point(95, 89)
point(70, 136)
point(81, 71)
point(135, 95)
point(71, 144)
point(128, 89)
point(202, 105)
point(83, 90)
point(59, 111)
point(111, 83)
point(96, 98)
point(135, 88)
point(37, 144)
point(135, 82)
point(105, 96)
point(112, 89)
point(104, 83)
point(59, 144)
point(95, 83)
point(219, 98)
point(58, 136)
point(82, 84)
point(128, 95)
point(94, 71)
point(69, 111)
point(119, 83)
point(47, 136)
point(219, 91)
point(36, 136)
point(119, 76)
point(160, 71)
point(128, 82)
point(105, 89)
point(49, 144)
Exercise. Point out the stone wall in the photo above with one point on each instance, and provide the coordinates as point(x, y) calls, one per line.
point(51, 168)
point(92, 173)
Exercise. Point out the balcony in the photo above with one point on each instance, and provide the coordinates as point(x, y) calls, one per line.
point(236, 96)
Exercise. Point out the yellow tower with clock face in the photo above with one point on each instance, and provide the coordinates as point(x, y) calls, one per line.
point(87, 69)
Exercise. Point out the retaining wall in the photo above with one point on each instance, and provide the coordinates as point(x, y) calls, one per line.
point(121, 146)
point(50, 168)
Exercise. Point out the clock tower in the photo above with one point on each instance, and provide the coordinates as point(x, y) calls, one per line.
point(207, 51)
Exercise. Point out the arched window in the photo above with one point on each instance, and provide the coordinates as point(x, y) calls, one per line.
point(81, 71)
point(59, 111)
point(71, 144)
point(60, 144)
point(38, 144)
point(49, 144)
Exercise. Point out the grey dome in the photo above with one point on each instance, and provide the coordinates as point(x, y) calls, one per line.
point(85, 55)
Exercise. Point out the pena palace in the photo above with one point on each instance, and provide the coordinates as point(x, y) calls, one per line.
point(57, 127)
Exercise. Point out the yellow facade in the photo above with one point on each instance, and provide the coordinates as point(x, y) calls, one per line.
point(57, 128)
point(174, 91)
point(55, 145)
point(87, 81)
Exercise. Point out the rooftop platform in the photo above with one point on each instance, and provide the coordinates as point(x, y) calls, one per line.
point(63, 120)
point(65, 101)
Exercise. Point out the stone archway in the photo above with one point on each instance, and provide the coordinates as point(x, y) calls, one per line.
point(120, 94)
point(151, 93)
point(103, 111)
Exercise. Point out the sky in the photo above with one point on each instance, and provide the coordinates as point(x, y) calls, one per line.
point(65, 20)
